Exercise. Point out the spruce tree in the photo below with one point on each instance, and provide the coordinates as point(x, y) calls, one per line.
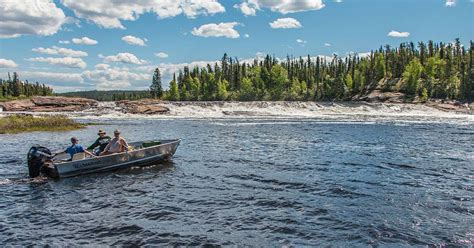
point(156, 89)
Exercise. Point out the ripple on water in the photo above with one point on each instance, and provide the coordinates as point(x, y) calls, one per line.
point(254, 183)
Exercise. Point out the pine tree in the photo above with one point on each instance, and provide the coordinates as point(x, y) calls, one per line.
point(156, 89)
point(434, 69)
point(16, 92)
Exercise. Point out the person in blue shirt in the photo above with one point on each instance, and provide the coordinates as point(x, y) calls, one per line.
point(76, 148)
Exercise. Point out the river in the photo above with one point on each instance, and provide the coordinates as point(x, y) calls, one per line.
point(287, 181)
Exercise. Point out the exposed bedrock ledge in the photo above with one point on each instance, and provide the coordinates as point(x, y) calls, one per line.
point(146, 106)
point(49, 104)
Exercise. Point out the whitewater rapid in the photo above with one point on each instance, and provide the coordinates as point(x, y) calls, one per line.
point(330, 111)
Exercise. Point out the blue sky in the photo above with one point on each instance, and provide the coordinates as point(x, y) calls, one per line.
point(125, 41)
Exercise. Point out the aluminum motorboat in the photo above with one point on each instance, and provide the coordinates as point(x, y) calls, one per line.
point(143, 153)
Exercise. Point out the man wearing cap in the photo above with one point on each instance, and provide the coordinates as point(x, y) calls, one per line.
point(76, 148)
point(100, 142)
point(116, 145)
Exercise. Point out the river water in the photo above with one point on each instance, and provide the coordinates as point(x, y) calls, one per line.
point(259, 181)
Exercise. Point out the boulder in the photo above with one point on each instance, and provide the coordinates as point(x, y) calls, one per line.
point(63, 101)
point(145, 106)
point(450, 106)
point(379, 96)
point(49, 104)
point(17, 105)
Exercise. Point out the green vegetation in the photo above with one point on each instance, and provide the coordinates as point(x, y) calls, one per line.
point(13, 88)
point(422, 71)
point(112, 95)
point(156, 89)
point(26, 123)
point(432, 70)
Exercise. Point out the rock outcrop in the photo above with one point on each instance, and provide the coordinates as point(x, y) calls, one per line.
point(382, 91)
point(49, 104)
point(145, 106)
point(379, 96)
point(450, 106)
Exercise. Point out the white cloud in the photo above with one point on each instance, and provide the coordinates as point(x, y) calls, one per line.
point(193, 8)
point(327, 44)
point(127, 58)
point(132, 40)
point(60, 51)
point(161, 55)
point(285, 23)
point(23, 17)
point(338, 1)
point(247, 36)
point(364, 54)
point(301, 41)
point(84, 41)
point(105, 77)
point(64, 42)
point(323, 58)
point(110, 13)
point(223, 29)
point(398, 34)
point(450, 3)
point(359, 54)
point(66, 61)
point(102, 66)
point(260, 54)
point(72, 20)
point(249, 7)
point(6, 63)
point(52, 77)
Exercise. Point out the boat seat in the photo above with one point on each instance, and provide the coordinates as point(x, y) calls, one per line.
point(79, 156)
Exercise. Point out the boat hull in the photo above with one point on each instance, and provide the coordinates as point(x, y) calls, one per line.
point(140, 157)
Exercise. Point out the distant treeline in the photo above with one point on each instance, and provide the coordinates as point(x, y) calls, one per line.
point(425, 70)
point(13, 88)
point(421, 71)
point(112, 95)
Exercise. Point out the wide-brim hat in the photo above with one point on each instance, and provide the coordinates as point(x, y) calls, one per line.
point(101, 132)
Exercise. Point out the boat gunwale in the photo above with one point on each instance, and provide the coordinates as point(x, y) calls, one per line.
point(81, 172)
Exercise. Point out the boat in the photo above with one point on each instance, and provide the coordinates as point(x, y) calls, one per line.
point(143, 153)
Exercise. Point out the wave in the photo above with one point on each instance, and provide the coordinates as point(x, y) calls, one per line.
point(353, 111)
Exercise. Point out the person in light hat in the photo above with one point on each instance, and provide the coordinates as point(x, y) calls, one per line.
point(100, 142)
point(116, 145)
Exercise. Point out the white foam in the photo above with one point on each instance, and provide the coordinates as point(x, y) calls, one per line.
point(5, 181)
point(358, 112)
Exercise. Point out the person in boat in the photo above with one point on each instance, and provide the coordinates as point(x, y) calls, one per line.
point(76, 148)
point(100, 142)
point(116, 145)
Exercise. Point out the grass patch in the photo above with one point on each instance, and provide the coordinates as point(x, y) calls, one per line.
point(26, 123)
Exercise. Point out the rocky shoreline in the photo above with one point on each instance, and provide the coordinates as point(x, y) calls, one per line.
point(49, 104)
point(75, 104)
point(53, 104)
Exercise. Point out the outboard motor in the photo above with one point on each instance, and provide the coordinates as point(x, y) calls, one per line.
point(37, 156)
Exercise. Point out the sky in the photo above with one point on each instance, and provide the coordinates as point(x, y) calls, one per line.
point(75, 45)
